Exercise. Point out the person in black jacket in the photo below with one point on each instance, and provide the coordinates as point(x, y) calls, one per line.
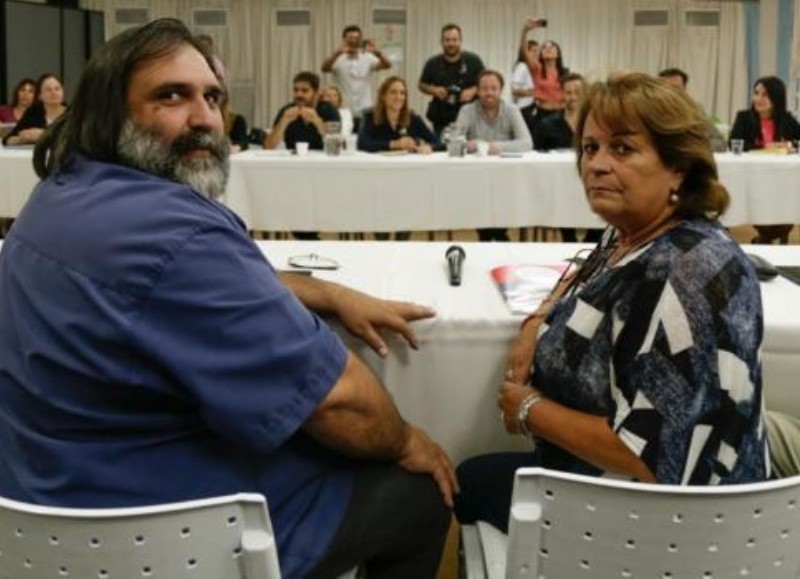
point(392, 126)
point(48, 105)
point(767, 124)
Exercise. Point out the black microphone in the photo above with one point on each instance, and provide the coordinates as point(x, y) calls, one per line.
point(455, 259)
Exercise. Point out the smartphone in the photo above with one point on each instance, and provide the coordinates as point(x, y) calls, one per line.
point(541, 23)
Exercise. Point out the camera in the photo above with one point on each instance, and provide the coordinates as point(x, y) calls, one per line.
point(453, 91)
point(541, 22)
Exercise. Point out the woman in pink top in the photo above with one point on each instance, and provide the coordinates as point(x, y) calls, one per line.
point(768, 124)
point(23, 98)
point(546, 70)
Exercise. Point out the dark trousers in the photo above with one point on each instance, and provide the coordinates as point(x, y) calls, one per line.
point(486, 483)
point(395, 526)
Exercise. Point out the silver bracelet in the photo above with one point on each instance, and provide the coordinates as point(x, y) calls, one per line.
point(524, 409)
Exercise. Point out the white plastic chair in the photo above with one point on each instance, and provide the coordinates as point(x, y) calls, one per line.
point(570, 526)
point(223, 537)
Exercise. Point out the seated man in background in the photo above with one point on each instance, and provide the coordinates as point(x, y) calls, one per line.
point(679, 79)
point(151, 354)
point(303, 119)
point(500, 124)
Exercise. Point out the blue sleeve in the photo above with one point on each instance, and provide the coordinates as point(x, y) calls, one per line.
point(237, 342)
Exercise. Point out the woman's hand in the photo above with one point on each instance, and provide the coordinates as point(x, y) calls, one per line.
point(509, 398)
point(30, 135)
point(424, 149)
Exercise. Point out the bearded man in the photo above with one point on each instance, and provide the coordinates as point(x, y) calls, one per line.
point(151, 354)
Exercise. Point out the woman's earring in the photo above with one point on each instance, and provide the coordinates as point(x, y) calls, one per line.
point(673, 197)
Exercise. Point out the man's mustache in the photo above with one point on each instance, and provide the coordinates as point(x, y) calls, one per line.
point(197, 139)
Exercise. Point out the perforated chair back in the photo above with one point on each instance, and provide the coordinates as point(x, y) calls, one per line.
point(570, 526)
point(219, 538)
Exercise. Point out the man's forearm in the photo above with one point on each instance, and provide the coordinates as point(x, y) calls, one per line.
point(428, 89)
point(275, 136)
point(327, 64)
point(315, 294)
point(358, 417)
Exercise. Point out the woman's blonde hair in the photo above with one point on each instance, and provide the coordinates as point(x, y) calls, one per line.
point(676, 126)
point(379, 111)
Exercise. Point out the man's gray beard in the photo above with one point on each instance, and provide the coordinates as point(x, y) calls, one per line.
point(146, 150)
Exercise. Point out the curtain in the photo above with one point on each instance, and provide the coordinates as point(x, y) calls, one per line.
point(596, 37)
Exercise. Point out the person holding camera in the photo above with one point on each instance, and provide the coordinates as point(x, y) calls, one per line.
point(352, 63)
point(450, 78)
point(547, 68)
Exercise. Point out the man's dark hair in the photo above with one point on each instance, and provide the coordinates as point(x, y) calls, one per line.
point(569, 77)
point(308, 77)
point(667, 72)
point(92, 125)
point(350, 28)
point(451, 26)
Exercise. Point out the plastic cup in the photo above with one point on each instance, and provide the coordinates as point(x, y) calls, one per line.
point(350, 144)
point(737, 146)
point(483, 148)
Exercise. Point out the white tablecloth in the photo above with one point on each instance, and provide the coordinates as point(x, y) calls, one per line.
point(449, 385)
point(273, 190)
point(17, 179)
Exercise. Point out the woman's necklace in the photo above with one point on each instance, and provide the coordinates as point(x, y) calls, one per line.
point(622, 250)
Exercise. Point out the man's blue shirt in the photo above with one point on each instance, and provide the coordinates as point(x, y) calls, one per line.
point(149, 354)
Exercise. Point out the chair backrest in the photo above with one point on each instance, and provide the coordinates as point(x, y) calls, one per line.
point(565, 525)
point(223, 537)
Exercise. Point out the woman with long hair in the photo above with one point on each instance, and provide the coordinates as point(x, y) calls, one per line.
point(392, 126)
point(546, 69)
point(332, 94)
point(767, 124)
point(48, 105)
point(24, 94)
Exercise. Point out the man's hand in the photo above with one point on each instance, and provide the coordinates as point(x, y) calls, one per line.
point(291, 114)
point(362, 315)
point(420, 454)
point(440, 93)
point(468, 94)
point(309, 115)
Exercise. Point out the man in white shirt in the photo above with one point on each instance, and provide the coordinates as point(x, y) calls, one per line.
point(352, 63)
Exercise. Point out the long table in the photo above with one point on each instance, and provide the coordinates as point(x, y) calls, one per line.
point(276, 191)
point(448, 386)
point(17, 179)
